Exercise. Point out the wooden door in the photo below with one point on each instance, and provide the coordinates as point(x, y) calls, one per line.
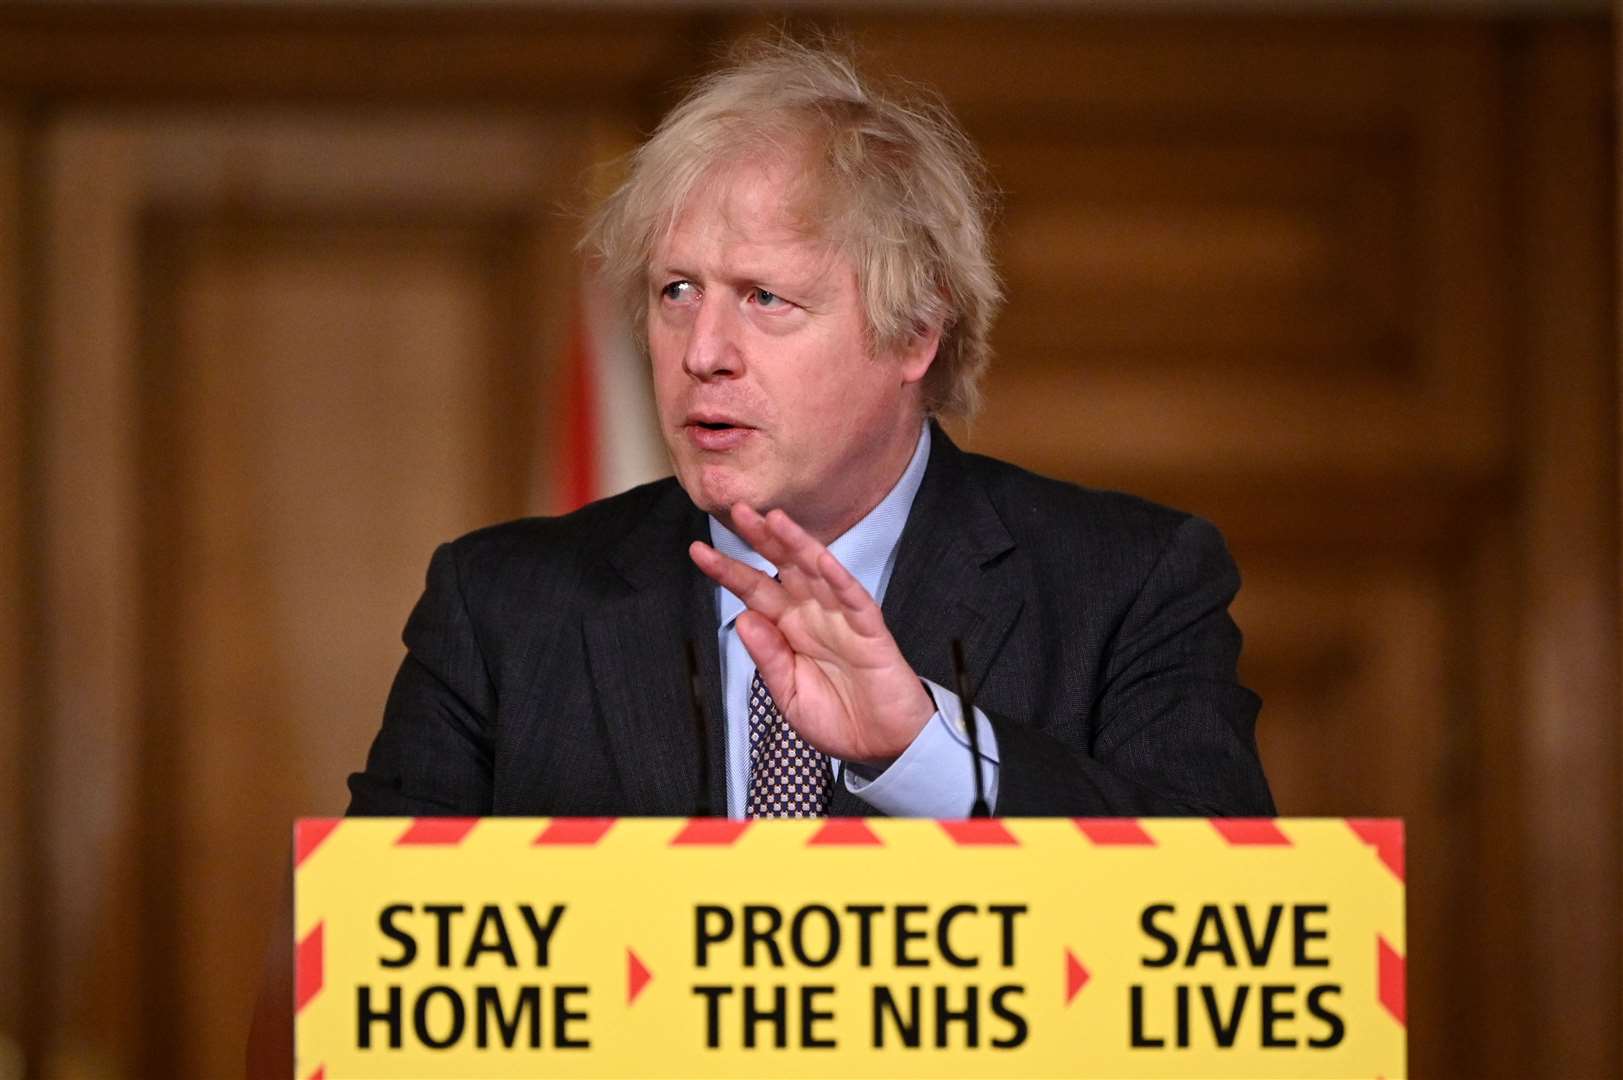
point(288, 354)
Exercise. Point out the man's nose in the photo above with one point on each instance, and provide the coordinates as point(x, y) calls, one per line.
point(713, 346)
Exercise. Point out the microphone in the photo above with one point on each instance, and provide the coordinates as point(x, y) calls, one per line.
point(971, 727)
point(701, 729)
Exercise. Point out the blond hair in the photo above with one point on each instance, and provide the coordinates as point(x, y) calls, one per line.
point(892, 181)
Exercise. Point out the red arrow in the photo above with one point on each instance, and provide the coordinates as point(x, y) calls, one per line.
point(637, 976)
point(1076, 976)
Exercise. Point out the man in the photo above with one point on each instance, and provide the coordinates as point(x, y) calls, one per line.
point(808, 261)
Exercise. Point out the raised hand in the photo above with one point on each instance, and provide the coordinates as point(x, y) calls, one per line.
point(820, 643)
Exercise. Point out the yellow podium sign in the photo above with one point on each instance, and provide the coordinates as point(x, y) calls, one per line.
point(508, 947)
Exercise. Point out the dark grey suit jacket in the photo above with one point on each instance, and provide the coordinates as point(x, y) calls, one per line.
point(545, 671)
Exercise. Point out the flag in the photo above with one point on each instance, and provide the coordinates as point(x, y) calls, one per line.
point(608, 438)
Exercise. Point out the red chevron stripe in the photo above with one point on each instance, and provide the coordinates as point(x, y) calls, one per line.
point(574, 831)
point(307, 968)
point(1390, 966)
point(1386, 836)
point(308, 835)
point(710, 831)
point(1246, 832)
point(437, 830)
point(979, 832)
point(1112, 831)
point(845, 832)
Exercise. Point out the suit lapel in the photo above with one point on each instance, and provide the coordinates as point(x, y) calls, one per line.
point(703, 623)
point(634, 645)
point(948, 583)
point(950, 579)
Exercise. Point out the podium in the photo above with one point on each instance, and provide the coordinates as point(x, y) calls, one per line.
point(507, 947)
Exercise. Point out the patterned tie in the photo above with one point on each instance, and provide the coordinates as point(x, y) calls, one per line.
point(787, 777)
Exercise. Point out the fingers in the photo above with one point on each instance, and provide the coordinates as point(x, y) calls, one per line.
point(752, 527)
point(860, 609)
point(758, 534)
point(798, 545)
point(757, 590)
point(817, 562)
point(797, 554)
point(773, 657)
point(807, 570)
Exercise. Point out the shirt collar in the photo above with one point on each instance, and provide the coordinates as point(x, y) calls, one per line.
point(867, 549)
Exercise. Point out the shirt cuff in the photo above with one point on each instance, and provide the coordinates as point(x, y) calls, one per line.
point(932, 779)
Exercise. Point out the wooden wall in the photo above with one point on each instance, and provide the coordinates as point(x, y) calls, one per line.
point(280, 293)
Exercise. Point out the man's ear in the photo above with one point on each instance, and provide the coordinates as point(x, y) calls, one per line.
point(917, 353)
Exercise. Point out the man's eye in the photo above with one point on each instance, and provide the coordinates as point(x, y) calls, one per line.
point(767, 299)
point(677, 290)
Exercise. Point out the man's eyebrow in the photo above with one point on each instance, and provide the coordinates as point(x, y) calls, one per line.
point(799, 279)
point(809, 281)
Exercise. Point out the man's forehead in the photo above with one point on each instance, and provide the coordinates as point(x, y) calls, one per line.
point(750, 209)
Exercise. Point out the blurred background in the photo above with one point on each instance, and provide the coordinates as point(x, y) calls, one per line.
point(288, 295)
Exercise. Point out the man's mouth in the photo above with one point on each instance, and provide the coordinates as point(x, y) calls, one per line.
point(715, 421)
point(716, 433)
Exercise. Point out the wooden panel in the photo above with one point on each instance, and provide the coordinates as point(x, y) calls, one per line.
point(1356, 722)
point(1269, 265)
point(91, 586)
point(289, 356)
point(1225, 282)
point(566, 58)
point(1343, 656)
point(1144, 69)
point(333, 402)
point(15, 651)
point(1570, 739)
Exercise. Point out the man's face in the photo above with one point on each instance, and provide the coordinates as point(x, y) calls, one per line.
point(767, 390)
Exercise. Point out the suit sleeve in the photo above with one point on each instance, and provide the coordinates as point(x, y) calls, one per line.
point(1173, 731)
point(433, 754)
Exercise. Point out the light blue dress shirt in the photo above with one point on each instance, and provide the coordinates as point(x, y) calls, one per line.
point(931, 779)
